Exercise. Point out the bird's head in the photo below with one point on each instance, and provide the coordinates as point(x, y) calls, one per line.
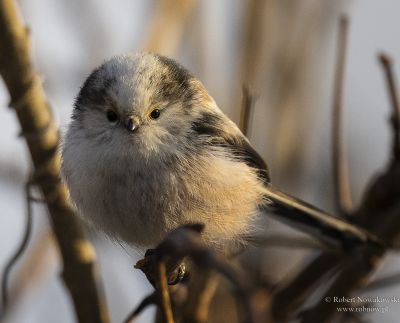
point(144, 102)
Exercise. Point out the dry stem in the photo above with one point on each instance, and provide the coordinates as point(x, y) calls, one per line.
point(36, 120)
point(343, 198)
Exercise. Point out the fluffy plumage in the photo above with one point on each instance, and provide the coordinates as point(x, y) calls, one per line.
point(149, 150)
point(192, 164)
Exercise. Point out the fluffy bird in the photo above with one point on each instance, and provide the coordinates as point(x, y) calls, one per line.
point(148, 150)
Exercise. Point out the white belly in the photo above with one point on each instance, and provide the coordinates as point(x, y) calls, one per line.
point(140, 207)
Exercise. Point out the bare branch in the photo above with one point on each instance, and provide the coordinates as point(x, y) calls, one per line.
point(354, 275)
point(343, 198)
point(246, 108)
point(290, 297)
point(186, 242)
point(387, 66)
point(202, 289)
point(21, 248)
point(41, 134)
point(165, 299)
point(149, 300)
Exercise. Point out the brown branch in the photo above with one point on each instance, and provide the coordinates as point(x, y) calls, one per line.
point(379, 212)
point(36, 120)
point(343, 198)
point(246, 108)
point(354, 275)
point(153, 298)
point(186, 242)
point(202, 289)
point(166, 309)
point(290, 297)
point(167, 26)
point(303, 285)
point(392, 90)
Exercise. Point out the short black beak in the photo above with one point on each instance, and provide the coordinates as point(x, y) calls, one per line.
point(131, 125)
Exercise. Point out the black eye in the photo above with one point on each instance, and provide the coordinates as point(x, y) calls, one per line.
point(112, 116)
point(155, 114)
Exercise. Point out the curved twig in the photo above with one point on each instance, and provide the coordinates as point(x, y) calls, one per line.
point(21, 248)
point(148, 300)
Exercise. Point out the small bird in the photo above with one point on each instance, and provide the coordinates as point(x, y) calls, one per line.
point(148, 150)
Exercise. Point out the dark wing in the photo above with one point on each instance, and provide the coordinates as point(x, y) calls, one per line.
point(286, 208)
point(209, 125)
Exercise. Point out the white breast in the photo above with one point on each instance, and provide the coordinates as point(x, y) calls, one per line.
point(140, 206)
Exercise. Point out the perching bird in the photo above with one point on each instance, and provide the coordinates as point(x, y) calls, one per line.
point(149, 150)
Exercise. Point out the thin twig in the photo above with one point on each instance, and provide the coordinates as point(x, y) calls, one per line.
point(148, 300)
point(35, 268)
point(290, 297)
point(165, 299)
point(202, 288)
point(21, 248)
point(384, 282)
point(392, 90)
point(353, 276)
point(246, 109)
point(186, 242)
point(343, 198)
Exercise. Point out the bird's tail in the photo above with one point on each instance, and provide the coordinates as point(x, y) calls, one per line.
point(318, 223)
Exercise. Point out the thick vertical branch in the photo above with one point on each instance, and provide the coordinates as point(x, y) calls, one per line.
point(340, 171)
point(36, 120)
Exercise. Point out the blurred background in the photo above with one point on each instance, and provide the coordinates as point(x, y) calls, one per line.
point(283, 49)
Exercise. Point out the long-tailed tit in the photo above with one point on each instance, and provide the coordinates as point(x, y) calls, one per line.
point(148, 150)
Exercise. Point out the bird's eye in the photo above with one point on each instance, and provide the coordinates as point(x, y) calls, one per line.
point(112, 116)
point(155, 114)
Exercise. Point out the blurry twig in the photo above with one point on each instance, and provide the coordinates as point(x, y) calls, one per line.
point(379, 212)
point(165, 299)
point(149, 300)
point(384, 282)
point(167, 25)
point(343, 198)
point(395, 118)
point(202, 289)
point(185, 242)
point(251, 44)
point(42, 137)
point(21, 248)
point(36, 268)
point(291, 296)
point(246, 108)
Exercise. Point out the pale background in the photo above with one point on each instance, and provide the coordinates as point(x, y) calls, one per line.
point(70, 38)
